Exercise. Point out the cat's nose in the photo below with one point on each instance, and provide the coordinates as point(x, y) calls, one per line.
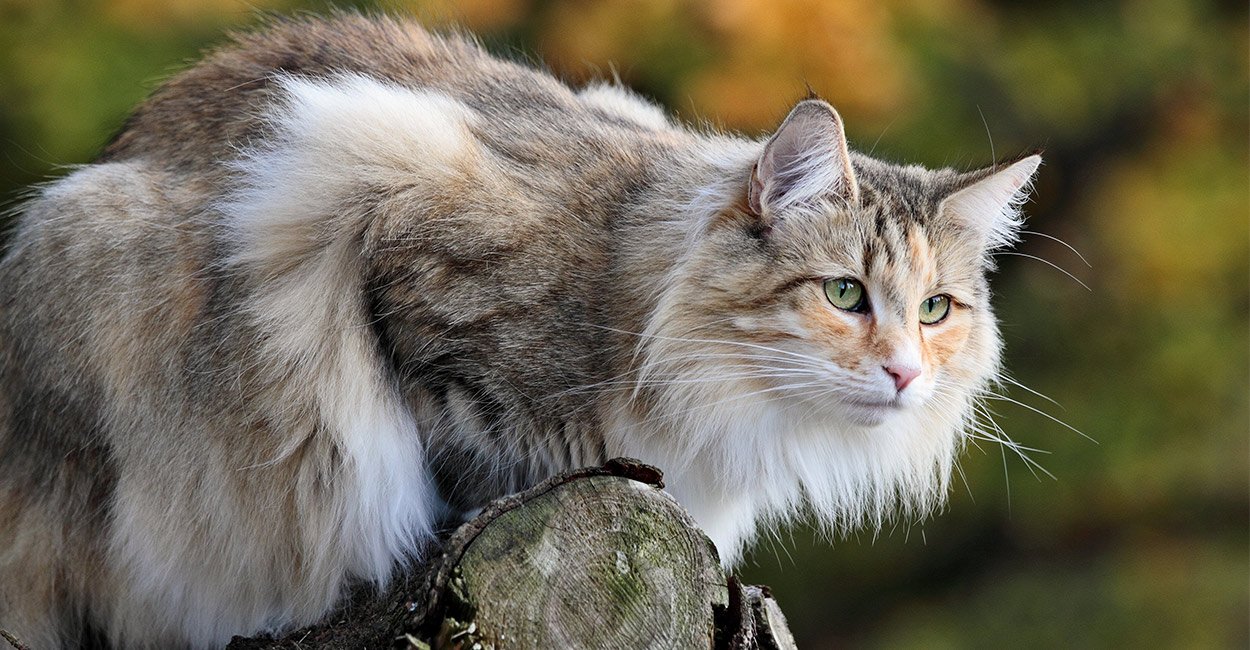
point(902, 375)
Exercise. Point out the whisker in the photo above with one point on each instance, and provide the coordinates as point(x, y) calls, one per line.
point(687, 411)
point(663, 381)
point(963, 478)
point(1001, 438)
point(1006, 478)
point(754, 346)
point(1007, 379)
point(988, 136)
point(1048, 263)
point(1004, 398)
point(1061, 242)
point(1032, 465)
point(645, 371)
point(977, 430)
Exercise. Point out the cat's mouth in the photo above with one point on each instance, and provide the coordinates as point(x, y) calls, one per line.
point(890, 404)
point(870, 411)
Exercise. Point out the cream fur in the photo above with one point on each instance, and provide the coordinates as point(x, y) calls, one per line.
point(292, 227)
point(289, 226)
point(619, 101)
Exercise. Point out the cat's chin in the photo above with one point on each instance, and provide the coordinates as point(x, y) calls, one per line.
point(871, 413)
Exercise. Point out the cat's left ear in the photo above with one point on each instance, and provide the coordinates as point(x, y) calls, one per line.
point(988, 201)
point(805, 160)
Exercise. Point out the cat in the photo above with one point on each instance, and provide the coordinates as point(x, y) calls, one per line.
point(344, 281)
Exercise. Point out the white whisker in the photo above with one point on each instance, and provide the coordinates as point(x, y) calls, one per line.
point(1047, 263)
point(1003, 377)
point(1061, 242)
point(996, 396)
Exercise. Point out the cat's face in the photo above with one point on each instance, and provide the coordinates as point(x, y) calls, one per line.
point(848, 289)
point(887, 309)
point(855, 314)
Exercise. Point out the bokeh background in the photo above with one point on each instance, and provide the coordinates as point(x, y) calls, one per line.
point(1141, 339)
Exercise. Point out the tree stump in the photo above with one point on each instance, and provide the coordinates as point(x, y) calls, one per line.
point(596, 558)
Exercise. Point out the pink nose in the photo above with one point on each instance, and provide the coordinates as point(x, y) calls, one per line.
point(902, 375)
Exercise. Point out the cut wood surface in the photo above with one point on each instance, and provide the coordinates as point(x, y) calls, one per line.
point(596, 558)
point(603, 561)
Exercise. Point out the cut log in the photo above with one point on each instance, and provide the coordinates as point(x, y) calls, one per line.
point(597, 558)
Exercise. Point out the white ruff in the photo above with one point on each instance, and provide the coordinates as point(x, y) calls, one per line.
point(737, 461)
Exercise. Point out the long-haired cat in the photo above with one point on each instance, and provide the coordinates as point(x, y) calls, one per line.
point(344, 280)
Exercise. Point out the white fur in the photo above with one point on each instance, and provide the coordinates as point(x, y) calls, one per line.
point(992, 205)
point(623, 103)
point(332, 138)
point(293, 231)
point(737, 456)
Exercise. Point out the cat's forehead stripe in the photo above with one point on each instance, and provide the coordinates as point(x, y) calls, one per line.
point(896, 252)
point(901, 202)
point(902, 193)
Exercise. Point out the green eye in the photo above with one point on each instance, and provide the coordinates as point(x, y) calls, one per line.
point(934, 309)
point(847, 294)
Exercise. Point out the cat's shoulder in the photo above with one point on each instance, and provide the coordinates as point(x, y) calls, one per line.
point(619, 102)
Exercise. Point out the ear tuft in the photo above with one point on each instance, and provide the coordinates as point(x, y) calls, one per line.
point(989, 201)
point(805, 160)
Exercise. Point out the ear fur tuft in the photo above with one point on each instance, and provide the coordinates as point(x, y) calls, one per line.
point(806, 160)
point(989, 201)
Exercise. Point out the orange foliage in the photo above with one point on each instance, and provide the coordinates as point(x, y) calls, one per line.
point(763, 53)
point(477, 15)
point(164, 14)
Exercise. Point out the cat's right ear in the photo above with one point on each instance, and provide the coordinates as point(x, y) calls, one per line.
point(806, 160)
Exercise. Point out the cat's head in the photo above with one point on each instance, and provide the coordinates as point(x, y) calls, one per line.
point(844, 299)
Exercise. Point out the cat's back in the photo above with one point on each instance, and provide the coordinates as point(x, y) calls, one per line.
point(201, 112)
point(211, 111)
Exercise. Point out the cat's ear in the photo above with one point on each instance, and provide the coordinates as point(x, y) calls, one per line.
point(804, 161)
point(988, 201)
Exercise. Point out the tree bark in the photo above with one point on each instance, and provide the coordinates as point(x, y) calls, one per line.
point(596, 558)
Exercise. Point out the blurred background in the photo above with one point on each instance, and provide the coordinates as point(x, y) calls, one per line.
point(1141, 339)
